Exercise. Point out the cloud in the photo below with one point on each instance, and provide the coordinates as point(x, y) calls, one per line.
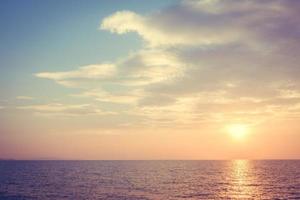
point(121, 97)
point(158, 30)
point(195, 23)
point(208, 60)
point(24, 98)
point(91, 72)
point(156, 100)
point(64, 109)
point(150, 66)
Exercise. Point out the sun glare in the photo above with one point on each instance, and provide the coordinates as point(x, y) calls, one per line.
point(238, 131)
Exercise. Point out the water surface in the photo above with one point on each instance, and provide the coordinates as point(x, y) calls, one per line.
point(112, 180)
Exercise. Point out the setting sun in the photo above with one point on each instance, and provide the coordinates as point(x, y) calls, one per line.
point(238, 131)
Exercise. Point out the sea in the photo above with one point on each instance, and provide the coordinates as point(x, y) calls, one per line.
point(143, 180)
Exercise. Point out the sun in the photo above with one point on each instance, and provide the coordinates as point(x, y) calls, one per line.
point(238, 131)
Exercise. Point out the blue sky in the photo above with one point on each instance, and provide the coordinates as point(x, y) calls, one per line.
point(56, 35)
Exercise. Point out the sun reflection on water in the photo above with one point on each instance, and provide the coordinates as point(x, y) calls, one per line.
point(244, 181)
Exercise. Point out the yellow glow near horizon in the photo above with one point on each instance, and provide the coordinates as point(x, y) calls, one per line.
point(238, 131)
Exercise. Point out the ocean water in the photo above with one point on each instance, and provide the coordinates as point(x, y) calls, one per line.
point(114, 180)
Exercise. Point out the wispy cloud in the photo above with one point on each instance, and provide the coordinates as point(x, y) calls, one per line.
point(65, 109)
point(24, 98)
point(90, 72)
point(120, 97)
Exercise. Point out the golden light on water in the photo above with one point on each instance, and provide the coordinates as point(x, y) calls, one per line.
point(241, 180)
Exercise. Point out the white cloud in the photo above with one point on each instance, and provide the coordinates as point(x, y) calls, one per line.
point(155, 30)
point(126, 21)
point(150, 66)
point(69, 78)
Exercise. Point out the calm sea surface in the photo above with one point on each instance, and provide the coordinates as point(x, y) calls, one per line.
point(150, 180)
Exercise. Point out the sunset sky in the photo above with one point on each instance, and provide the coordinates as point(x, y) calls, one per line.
point(132, 79)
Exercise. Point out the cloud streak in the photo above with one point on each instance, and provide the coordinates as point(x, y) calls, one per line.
point(89, 72)
point(24, 98)
point(58, 109)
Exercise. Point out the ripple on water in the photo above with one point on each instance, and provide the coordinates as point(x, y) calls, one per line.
point(149, 180)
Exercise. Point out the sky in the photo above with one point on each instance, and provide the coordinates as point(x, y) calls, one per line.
point(139, 80)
